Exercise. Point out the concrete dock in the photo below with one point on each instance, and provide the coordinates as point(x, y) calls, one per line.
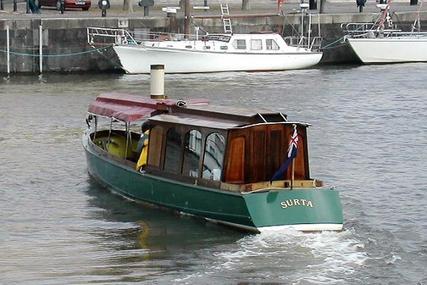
point(54, 42)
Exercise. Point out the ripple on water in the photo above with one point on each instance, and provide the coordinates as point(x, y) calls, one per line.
point(317, 258)
point(368, 139)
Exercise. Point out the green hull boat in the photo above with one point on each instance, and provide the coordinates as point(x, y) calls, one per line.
point(209, 162)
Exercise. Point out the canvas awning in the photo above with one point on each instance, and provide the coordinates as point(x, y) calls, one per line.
point(195, 120)
point(127, 107)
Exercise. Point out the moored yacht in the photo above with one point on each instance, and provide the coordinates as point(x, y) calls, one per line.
point(216, 53)
point(382, 42)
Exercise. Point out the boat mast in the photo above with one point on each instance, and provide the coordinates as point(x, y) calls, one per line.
point(303, 7)
point(417, 23)
point(187, 18)
point(384, 16)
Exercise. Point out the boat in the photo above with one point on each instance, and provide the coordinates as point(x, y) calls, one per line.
point(382, 42)
point(196, 53)
point(208, 53)
point(244, 168)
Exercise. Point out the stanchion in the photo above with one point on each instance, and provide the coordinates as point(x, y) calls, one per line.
point(8, 49)
point(41, 49)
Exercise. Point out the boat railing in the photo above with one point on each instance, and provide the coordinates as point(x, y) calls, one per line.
point(141, 36)
point(369, 30)
point(357, 30)
point(406, 34)
point(97, 36)
point(312, 43)
point(119, 36)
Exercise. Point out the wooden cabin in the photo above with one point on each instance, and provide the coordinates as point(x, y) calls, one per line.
point(223, 147)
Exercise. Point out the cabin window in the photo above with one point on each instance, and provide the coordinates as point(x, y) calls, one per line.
point(192, 153)
point(256, 44)
point(239, 44)
point(223, 47)
point(155, 146)
point(173, 151)
point(213, 156)
point(271, 44)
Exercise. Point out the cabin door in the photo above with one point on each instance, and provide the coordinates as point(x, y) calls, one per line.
point(266, 152)
point(275, 149)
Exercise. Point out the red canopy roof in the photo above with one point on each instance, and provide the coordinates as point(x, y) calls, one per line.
point(129, 108)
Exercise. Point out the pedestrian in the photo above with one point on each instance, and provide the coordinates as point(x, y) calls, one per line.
point(360, 4)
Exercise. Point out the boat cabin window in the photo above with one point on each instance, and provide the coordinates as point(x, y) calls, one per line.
point(271, 44)
point(239, 44)
point(256, 44)
point(213, 157)
point(173, 151)
point(192, 153)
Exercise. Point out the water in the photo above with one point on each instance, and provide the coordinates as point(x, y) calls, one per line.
point(368, 139)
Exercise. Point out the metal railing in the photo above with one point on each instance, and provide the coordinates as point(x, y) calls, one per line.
point(370, 30)
point(109, 36)
point(357, 28)
point(312, 43)
point(121, 36)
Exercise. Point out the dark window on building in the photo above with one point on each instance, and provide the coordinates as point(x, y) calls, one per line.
point(213, 157)
point(192, 153)
point(173, 151)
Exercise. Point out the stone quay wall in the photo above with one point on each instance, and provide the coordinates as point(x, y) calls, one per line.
point(65, 47)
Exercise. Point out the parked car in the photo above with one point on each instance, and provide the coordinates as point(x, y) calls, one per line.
point(73, 4)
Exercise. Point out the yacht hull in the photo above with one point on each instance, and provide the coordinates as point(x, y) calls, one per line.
point(137, 59)
point(390, 50)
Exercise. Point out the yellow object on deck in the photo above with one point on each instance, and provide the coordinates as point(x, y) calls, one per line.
point(143, 157)
point(117, 146)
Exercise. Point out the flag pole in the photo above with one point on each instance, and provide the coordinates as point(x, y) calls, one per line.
point(293, 173)
point(293, 166)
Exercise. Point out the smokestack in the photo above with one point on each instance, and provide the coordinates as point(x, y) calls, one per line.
point(157, 84)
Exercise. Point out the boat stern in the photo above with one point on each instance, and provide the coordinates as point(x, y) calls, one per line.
point(301, 209)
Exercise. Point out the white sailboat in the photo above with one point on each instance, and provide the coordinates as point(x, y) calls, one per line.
point(381, 42)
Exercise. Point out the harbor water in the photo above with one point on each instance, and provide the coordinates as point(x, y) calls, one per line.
point(368, 139)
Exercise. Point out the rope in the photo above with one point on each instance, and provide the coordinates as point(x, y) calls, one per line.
point(334, 42)
point(56, 55)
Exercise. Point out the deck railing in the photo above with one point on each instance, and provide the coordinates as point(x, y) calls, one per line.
point(370, 30)
point(109, 36)
point(122, 36)
point(312, 43)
